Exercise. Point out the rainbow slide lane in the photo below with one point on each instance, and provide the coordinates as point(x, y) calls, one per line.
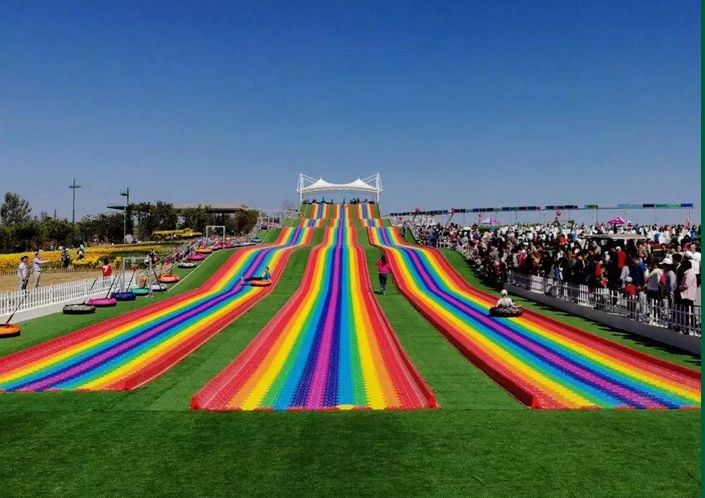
point(325, 211)
point(321, 215)
point(307, 223)
point(542, 362)
point(369, 215)
point(127, 351)
point(329, 348)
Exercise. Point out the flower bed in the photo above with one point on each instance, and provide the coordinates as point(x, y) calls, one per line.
point(92, 258)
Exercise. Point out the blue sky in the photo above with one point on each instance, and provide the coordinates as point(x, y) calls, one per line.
point(458, 104)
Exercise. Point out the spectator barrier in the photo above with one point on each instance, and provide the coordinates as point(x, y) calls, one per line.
point(37, 297)
point(659, 313)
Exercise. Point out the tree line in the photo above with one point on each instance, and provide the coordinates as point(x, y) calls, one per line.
point(20, 231)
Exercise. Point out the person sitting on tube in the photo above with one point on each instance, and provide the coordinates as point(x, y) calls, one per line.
point(266, 276)
point(504, 301)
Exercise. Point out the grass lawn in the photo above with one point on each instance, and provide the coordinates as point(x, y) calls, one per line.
point(481, 442)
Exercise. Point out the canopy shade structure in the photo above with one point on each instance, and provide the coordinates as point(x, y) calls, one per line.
point(616, 221)
point(308, 186)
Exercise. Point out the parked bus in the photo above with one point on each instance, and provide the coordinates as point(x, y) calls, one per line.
point(185, 233)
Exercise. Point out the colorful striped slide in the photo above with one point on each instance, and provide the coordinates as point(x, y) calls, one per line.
point(542, 362)
point(366, 211)
point(325, 211)
point(125, 352)
point(369, 215)
point(308, 223)
point(330, 347)
point(372, 223)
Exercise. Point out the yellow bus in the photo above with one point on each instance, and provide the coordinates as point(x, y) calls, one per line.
point(185, 233)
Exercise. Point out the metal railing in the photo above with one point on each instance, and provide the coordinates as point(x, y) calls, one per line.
point(659, 312)
point(55, 294)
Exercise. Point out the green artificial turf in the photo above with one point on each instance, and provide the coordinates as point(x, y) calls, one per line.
point(409, 237)
point(479, 443)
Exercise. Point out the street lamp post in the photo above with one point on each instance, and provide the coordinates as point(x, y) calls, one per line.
point(73, 187)
point(125, 194)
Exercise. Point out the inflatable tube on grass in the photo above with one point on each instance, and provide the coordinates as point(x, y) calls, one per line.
point(9, 330)
point(140, 291)
point(169, 279)
point(157, 287)
point(188, 264)
point(506, 311)
point(204, 250)
point(102, 302)
point(196, 257)
point(123, 296)
point(79, 309)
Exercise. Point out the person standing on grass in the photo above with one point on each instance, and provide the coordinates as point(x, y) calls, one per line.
point(23, 273)
point(65, 258)
point(37, 263)
point(383, 267)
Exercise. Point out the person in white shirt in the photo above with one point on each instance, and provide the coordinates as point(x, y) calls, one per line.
point(23, 273)
point(653, 277)
point(695, 261)
point(653, 291)
point(671, 280)
point(504, 301)
point(624, 275)
point(37, 266)
point(688, 289)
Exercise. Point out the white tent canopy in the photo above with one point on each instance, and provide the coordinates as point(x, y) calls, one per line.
point(369, 185)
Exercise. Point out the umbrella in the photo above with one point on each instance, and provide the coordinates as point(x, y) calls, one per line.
point(616, 221)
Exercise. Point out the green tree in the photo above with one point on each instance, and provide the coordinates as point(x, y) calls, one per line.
point(6, 238)
point(60, 232)
point(244, 221)
point(28, 236)
point(101, 227)
point(196, 218)
point(159, 216)
point(14, 210)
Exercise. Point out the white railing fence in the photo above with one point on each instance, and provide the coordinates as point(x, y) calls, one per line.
point(49, 269)
point(57, 293)
point(658, 312)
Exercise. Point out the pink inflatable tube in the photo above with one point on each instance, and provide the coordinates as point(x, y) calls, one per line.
point(102, 302)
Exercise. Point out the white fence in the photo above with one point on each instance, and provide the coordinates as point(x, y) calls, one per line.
point(55, 294)
point(658, 312)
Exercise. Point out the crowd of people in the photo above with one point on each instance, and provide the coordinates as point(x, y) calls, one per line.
point(659, 262)
point(66, 256)
point(354, 200)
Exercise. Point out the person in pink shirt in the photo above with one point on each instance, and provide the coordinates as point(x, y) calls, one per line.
point(688, 290)
point(383, 267)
